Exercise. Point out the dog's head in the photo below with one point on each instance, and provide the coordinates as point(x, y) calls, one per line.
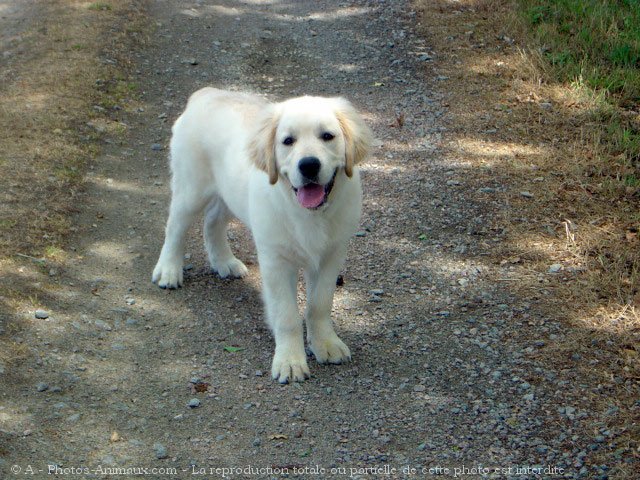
point(307, 140)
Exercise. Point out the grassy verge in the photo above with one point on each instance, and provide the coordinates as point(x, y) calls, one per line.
point(590, 42)
point(60, 75)
point(62, 83)
point(591, 50)
point(543, 98)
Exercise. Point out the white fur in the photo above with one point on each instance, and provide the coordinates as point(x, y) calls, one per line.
point(228, 159)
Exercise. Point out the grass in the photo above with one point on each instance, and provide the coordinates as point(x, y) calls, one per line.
point(596, 41)
point(100, 6)
point(591, 48)
point(47, 108)
point(594, 45)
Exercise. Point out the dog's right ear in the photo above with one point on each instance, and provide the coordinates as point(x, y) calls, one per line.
point(262, 147)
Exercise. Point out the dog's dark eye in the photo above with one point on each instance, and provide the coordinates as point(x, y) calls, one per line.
point(288, 141)
point(327, 137)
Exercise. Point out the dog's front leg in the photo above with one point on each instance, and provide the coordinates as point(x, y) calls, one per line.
point(279, 279)
point(321, 284)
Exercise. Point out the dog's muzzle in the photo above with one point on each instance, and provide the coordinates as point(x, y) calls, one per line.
point(313, 195)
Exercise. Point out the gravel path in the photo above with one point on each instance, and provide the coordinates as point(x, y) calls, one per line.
point(445, 373)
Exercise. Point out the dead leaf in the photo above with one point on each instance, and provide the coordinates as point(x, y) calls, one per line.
point(115, 437)
point(200, 387)
point(631, 236)
point(398, 121)
point(278, 436)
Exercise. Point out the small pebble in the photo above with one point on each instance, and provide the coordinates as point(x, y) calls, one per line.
point(160, 450)
point(555, 268)
point(156, 147)
point(73, 418)
point(42, 314)
point(41, 387)
point(194, 403)
point(526, 194)
point(102, 324)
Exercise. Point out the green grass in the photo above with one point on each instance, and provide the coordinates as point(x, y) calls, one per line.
point(594, 46)
point(100, 6)
point(597, 41)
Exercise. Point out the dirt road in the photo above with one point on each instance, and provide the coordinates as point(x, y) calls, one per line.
point(445, 372)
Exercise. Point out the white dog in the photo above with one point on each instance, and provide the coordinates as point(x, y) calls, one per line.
point(288, 171)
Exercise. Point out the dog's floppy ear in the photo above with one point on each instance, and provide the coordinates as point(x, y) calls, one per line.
point(357, 135)
point(262, 148)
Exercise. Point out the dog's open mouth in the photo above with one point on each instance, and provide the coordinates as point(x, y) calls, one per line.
point(314, 195)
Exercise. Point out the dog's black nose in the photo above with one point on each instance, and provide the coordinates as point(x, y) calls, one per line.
point(309, 167)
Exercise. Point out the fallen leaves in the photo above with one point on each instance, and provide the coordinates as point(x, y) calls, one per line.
point(200, 387)
point(398, 122)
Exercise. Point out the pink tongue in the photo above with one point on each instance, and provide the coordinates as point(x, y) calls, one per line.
point(310, 196)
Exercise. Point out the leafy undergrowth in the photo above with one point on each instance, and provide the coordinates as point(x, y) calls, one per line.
point(543, 98)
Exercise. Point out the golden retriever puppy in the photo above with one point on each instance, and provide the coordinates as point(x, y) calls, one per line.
point(288, 171)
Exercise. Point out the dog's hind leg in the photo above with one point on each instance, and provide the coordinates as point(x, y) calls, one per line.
point(221, 258)
point(185, 206)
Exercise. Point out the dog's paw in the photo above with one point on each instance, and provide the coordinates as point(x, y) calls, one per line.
point(167, 275)
point(290, 368)
point(329, 349)
point(231, 268)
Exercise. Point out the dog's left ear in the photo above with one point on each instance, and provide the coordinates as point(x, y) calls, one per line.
point(262, 151)
point(357, 134)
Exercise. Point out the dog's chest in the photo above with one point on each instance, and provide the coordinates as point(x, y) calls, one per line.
point(309, 242)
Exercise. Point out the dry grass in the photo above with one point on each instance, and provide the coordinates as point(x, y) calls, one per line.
point(51, 91)
point(62, 77)
point(517, 125)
